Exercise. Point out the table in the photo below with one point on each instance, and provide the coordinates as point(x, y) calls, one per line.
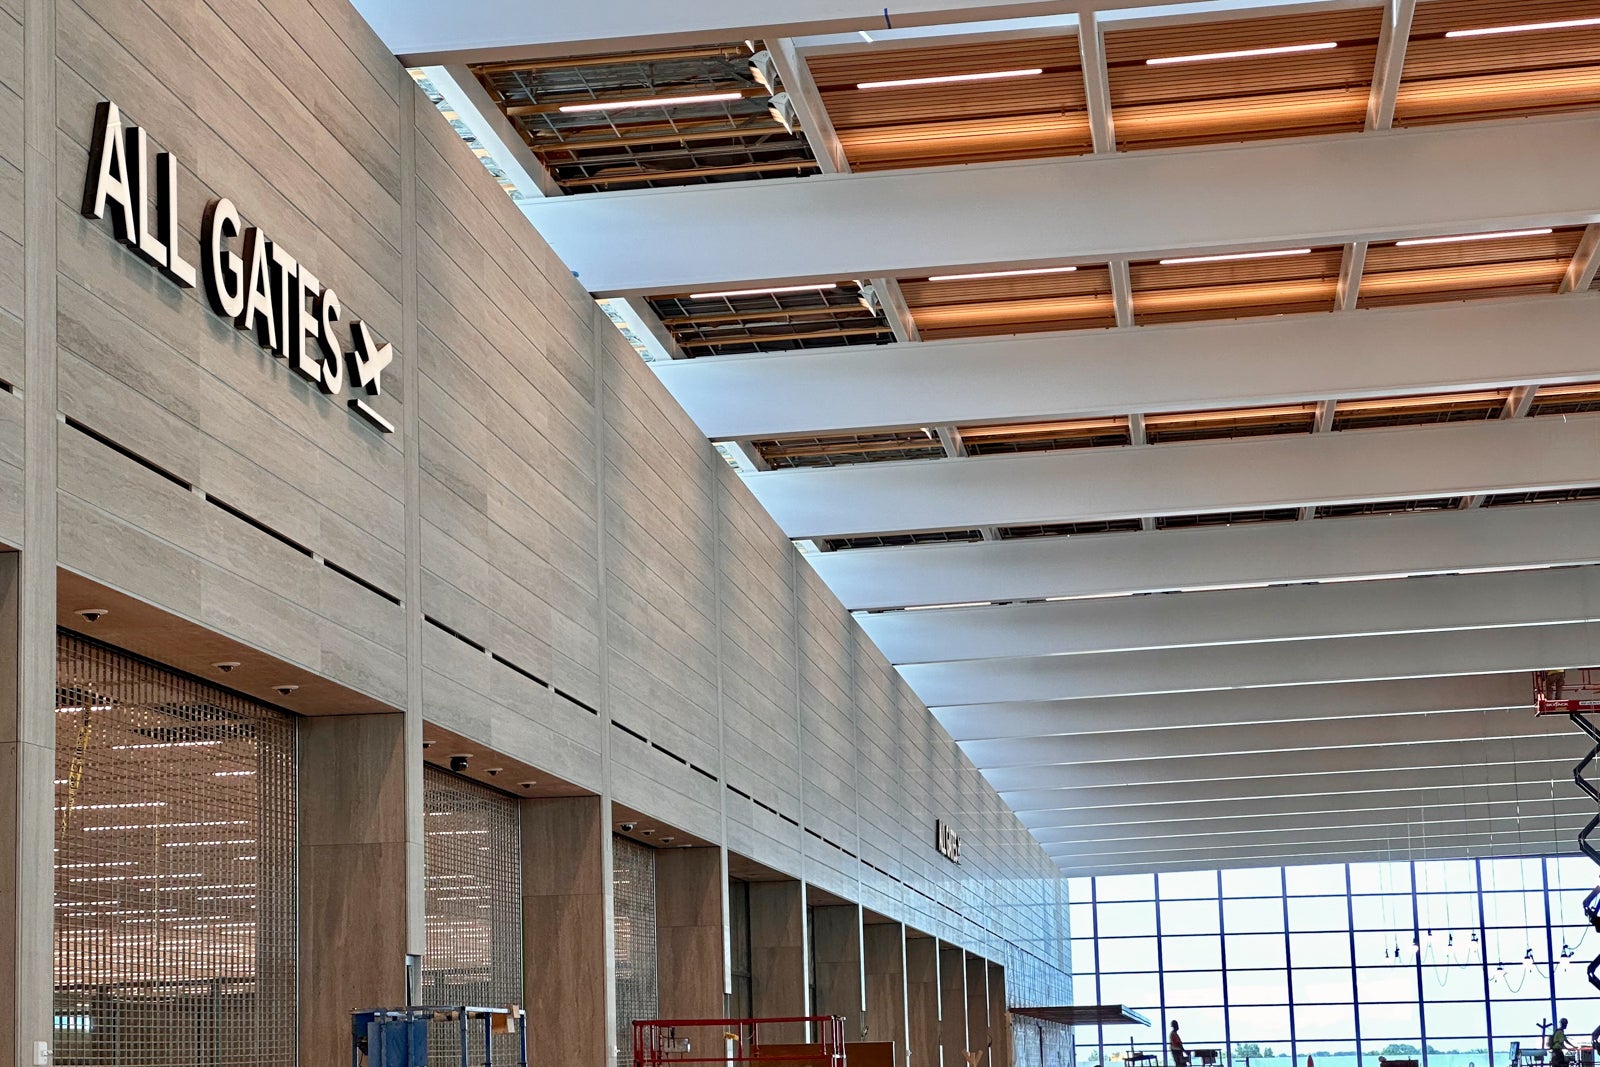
point(1133, 1059)
point(1206, 1056)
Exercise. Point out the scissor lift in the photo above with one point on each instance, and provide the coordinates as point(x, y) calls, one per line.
point(1576, 694)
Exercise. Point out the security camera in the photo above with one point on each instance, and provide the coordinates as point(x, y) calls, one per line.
point(527, 785)
point(459, 763)
point(227, 666)
point(494, 771)
point(764, 69)
point(647, 833)
point(627, 827)
point(426, 743)
point(94, 614)
point(781, 108)
point(285, 690)
point(668, 840)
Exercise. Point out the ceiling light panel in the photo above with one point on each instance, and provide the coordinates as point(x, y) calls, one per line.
point(1242, 79)
point(1007, 302)
point(1516, 263)
point(1235, 285)
point(1496, 235)
point(1469, 60)
point(679, 116)
point(964, 103)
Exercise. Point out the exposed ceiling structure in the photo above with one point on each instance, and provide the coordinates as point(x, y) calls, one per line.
point(1198, 402)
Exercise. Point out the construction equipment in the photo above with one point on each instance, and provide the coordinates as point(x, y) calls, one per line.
point(398, 1037)
point(1576, 694)
point(725, 1041)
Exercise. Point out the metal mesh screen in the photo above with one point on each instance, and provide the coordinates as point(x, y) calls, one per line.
point(175, 869)
point(634, 883)
point(473, 858)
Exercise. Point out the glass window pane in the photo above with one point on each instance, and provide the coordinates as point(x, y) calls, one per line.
point(1251, 916)
point(1570, 872)
point(1258, 987)
point(1509, 946)
point(1189, 885)
point(1320, 1022)
point(1200, 1027)
point(1316, 880)
point(1572, 984)
point(1134, 990)
point(1127, 920)
point(1125, 887)
point(1388, 911)
point(1321, 985)
point(1447, 876)
point(1517, 1021)
point(1447, 911)
point(1513, 909)
point(1319, 950)
point(1082, 955)
point(1255, 882)
point(1380, 878)
point(1319, 913)
point(1456, 1020)
point(1517, 982)
point(1255, 950)
point(1511, 874)
point(1123, 954)
point(1192, 953)
point(1085, 989)
point(1186, 988)
point(1393, 1021)
point(1262, 1024)
point(1375, 948)
point(1337, 1053)
point(1079, 890)
point(1189, 917)
point(1386, 983)
point(1461, 982)
point(1080, 919)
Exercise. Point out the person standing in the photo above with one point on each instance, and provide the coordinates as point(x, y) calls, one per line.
point(1180, 1057)
point(1559, 1045)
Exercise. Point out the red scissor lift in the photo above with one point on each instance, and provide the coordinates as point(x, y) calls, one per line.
point(674, 1041)
point(1575, 692)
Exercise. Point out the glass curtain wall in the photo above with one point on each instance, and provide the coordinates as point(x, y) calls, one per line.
point(1445, 962)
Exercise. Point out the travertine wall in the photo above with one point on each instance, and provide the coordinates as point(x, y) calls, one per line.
point(546, 557)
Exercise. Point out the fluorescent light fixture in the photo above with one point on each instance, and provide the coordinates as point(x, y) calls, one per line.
point(1472, 237)
point(654, 101)
point(865, 36)
point(1001, 274)
point(941, 607)
point(946, 79)
point(1243, 53)
point(1525, 27)
point(817, 288)
point(1236, 255)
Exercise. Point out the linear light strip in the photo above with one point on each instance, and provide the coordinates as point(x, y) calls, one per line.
point(818, 288)
point(1235, 255)
point(1001, 274)
point(655, 101)
point(946, 79)
point(1525, 27)
point(1499, 235)
point(1243, 53)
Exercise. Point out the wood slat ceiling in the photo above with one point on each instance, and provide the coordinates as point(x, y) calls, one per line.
point(771, 322)
point(1420, 274)
point(963, 122)
point(1243, 98)
point(1026, 304)
point(1468, 78)
point(1192, 292)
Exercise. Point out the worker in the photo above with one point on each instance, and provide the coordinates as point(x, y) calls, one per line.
point(1180, 1058)
point(1559, 1045)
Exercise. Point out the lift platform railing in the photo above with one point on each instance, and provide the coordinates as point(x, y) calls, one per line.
point(725, 1041)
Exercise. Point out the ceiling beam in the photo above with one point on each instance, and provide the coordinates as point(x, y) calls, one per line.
point(1539, 843)
point(1477, 768)
point(1585, 262)
point(1236, 707)
point(795, 79)
point(494, 30)
point(1152, 369)
point(1392, 41)
point(1443, 179)
point(1096, 83)
point(1120, 563)
point(1217, 667)
point(1239, 616)
point(1089, 485)
point(496, 133)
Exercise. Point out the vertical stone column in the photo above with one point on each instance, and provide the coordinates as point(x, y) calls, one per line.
point(564, 966)
point(952, 1004)
point(780, 976)
point(886, 985)
point(837, 965)
point(978, 1007)
point(357, 884)
point(999, 1019)
point(689, 932)
point(922, 1000)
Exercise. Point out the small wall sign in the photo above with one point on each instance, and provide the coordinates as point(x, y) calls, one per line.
point(947, 841)
point(265, 290)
